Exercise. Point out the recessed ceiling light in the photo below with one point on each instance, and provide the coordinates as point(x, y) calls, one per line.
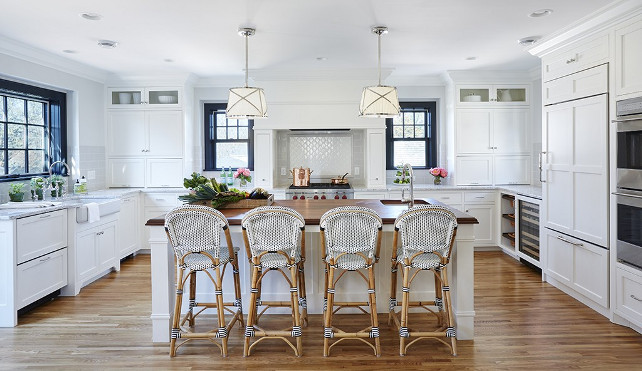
point(168, 60)
point(91, 16)
point(541, 13)
point(69, 51)
point(321, 59)
point(471, 58)
point(107, 44)
point(528, 41)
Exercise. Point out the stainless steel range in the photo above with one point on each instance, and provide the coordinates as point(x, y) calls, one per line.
point(320, 191)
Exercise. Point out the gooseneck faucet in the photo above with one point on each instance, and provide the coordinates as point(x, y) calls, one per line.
point(68, 172)
point(411, 200)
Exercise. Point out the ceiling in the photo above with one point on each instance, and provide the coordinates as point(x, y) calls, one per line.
point(200, 37)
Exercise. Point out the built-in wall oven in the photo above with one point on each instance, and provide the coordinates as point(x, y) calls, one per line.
point(629, 181)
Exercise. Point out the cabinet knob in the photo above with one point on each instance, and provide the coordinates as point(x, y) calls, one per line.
point(635, 298)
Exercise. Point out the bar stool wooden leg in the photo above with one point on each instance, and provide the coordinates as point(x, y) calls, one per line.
point(222, 330)
point(374, 321)
point(327, 331)
point(439, 302)
point(302, 295)
point(403, 330)
point(177, 313)
point(296, 323)
point(450, 332)
point(393, 292)
point(192, 298)
point(251, 315)
point(237, 289)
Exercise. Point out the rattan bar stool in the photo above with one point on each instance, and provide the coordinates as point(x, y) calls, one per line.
point(427, 236)
point(275, 241)
point(351, 239)
point(195, 234)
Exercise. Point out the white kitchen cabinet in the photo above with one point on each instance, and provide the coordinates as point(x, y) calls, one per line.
point(133, 98)
point(585, 83)
point(263, 158)
point(376, 158)
point(157, 204)
point(94, 252)
point(141, 172)
point(482, 206)
point(575, 168)
point(33, 261)
point(497, 131)
point(628, 298)
point(145, 133)
point(474, 170)
point(628, 57)
point(371, 195)
point(126, 172)
point(128, 226)
point(578, 265)
point(492, 95)
point(576, 57)
point(164, 172)
point(512, 169)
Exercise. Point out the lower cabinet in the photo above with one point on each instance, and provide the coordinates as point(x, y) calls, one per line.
point(156, 204)
point(39, 277)
point(628, 300)
point(482, 206)
point(94, 253)
point(578, 265)
point(371, 195)
point(141, 172)
point(128, 227)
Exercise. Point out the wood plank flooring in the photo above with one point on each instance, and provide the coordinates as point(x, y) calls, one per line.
point(521, 323)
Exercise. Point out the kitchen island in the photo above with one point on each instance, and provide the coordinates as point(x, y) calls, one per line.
point(462, 265)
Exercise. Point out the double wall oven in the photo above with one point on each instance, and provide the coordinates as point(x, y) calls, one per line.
point(629, 181)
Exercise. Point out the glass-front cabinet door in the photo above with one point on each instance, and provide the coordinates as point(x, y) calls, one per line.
point(492, 95)
point(144, 97)
point(126, 97)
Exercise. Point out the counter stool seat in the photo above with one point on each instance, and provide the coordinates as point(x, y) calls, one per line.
point(199, 262)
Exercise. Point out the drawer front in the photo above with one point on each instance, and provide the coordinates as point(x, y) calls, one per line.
point(629, 294)
point(577, 58)
point(40, 277)
point(164, 200)
point(40, 234)
point(578, 85)
point(449, 198)
point(479, 197)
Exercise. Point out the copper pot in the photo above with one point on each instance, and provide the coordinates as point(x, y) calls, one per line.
point(340, 180)
point(301, 176)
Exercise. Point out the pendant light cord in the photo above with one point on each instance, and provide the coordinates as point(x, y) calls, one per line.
point(246, 58)
point(379, 55)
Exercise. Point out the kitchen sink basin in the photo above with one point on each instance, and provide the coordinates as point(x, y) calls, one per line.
point(106, 206)
point(399, 202)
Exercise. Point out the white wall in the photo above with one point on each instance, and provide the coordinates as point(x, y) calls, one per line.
point(85, 112)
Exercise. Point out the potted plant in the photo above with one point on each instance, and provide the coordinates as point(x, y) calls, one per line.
point(56, 181)
point(16, 194)
point(243, 175)
point(37, 187)
point(438, 173)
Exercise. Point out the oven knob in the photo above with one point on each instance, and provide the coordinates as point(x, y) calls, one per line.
point(344, 197)
point(316, 197)
point(295, 197)
point(336, 197)
point(302, 197)
point(323, 197)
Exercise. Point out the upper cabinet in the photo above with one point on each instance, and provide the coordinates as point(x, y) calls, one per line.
point(144, 97)
point(492, 95)
point(628, 57)
point(580, 56)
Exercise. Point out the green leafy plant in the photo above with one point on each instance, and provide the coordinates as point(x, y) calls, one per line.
point(16, 192)
point(216, 193)
point(196, 180)
point(37, 182)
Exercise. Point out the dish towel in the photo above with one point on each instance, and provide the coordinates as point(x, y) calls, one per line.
point(93, 214)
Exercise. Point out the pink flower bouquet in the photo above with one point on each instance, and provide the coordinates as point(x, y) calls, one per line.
point(438, 173)
point(243, 174)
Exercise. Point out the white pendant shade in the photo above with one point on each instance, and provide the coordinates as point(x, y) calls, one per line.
point(246, 102)
point(379, 101)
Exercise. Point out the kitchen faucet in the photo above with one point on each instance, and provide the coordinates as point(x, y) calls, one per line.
point(411, 200)
point(68, 173)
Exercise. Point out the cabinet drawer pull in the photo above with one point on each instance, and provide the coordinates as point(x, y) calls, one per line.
point(100, 233)
point(570, 242)
point(159, 199)
point(164, 185)
point(474, 182)
point(569, 61)
point(635, 298)
point(445, 198)
point(45, 216)
point(49, 257)
point(480, 197)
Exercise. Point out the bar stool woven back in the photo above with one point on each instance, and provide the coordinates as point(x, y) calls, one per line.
point(275, 241)
point(351, 238)
point(427, 236)
point(195, 234)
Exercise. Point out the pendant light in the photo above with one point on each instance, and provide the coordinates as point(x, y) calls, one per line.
point(246, 102)
point(380, 100)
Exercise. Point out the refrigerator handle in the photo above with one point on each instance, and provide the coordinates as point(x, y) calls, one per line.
point(541, 154)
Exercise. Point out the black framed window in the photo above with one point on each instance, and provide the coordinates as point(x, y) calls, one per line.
point(228, 142)
point(411, 137)
point(32, 130)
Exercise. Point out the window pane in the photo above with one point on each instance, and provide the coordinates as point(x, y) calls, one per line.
point(16, 110)
point(221, 133)
point(1, 135)
point(408, 118)
point(397, 131)
point(16, 136)
point(2, 117)
point(2, 163)
point(36, 137)
point(409, 132)
point(17, 162)
point(243, 133)
point(243, 122)
point(36, 161)
point(231, 154)
point(220, 119)
point(412, 152)
point(419, 118)
point(232, 133)
point(35, 112)
point(419, 131)
point(397, 120)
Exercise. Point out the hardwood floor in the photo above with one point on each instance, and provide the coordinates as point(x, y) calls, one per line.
point(520, 323)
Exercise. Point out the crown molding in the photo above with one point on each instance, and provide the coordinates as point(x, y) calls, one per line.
point(595, 22)
point(151, 80)
point(483, 76)
point(28, 53)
